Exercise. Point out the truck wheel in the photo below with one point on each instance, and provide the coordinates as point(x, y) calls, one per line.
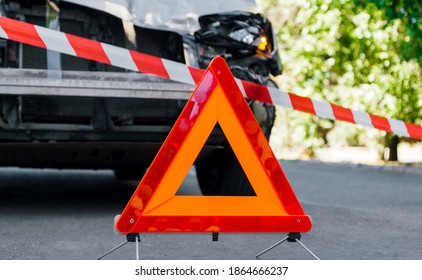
point(222, 174)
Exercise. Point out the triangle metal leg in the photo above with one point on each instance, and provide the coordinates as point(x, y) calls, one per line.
point(137, 239)
point(114, 249)
point(291, 237)
point(272, 247)
point(309, 251)
point(133, 237)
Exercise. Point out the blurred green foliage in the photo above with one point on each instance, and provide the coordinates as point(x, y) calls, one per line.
point(364, 55)
point(410, 14)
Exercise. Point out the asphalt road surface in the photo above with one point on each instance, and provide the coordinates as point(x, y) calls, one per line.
point(358, 212)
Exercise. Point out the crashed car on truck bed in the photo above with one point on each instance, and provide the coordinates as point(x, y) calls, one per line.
point(59, 111)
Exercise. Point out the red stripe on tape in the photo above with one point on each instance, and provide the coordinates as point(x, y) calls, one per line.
point(257, 92)
point(342, 114)
point(22, 32)
point(303, 104)
point(88, 49)
point(380, 123)
point(149, 64)
point(196, 74)
point(415, 131)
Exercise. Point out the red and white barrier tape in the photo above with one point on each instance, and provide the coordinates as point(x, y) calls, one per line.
point(77, 46)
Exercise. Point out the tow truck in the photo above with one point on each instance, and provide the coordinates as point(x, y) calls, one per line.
point(59, 111)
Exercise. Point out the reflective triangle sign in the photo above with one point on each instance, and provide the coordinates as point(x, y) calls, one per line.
point(155, 207)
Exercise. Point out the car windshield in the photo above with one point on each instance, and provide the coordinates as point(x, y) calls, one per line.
point(180, 16)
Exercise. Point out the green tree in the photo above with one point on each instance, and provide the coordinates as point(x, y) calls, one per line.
point(349, 53)
point(409, 12)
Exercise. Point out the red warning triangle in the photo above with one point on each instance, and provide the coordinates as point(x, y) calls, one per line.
point(155, 207)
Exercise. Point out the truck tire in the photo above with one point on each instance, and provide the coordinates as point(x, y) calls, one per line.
point(222, 174)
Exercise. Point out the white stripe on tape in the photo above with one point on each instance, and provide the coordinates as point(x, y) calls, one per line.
point(178, 71)
point(280, 98)
point(398, 127)
point(362, 118)
point(55, 41)
point(3, 34)
point(323, 109)
point(240, 85)
point(119, 57)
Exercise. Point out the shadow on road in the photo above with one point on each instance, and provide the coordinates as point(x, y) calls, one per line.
point(59, 190)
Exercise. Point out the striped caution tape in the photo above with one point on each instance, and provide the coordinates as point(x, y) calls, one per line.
point(84, 48)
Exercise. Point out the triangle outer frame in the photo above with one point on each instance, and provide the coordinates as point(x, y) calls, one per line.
point(154, 207)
